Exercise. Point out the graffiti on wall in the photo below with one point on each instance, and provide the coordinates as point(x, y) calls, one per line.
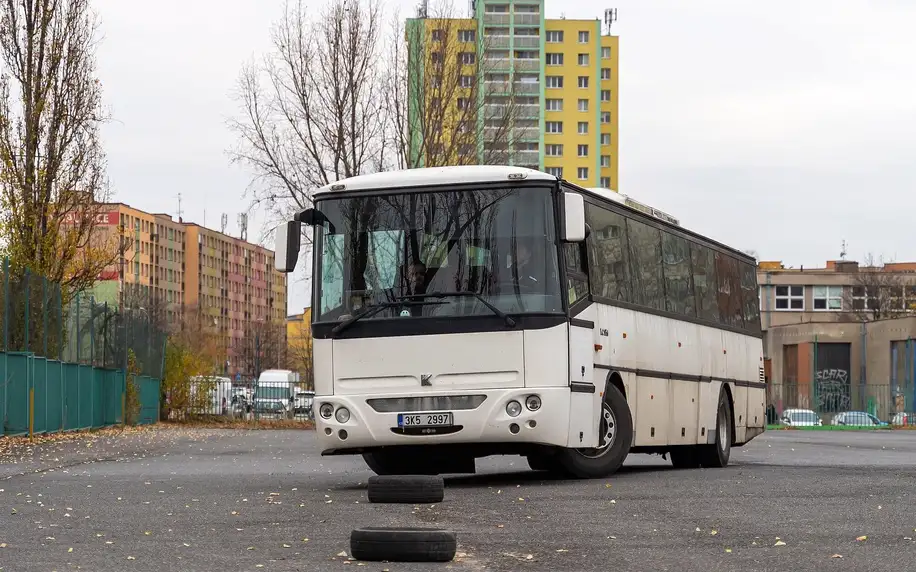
point(832, 390)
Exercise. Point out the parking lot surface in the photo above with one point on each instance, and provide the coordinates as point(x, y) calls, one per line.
point(265, 500)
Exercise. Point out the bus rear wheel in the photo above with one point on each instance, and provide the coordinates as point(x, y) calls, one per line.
point(615, 436)
point(717, 455)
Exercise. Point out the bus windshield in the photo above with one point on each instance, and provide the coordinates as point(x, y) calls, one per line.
point(495, 243)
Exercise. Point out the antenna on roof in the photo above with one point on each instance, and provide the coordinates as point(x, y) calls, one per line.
point(610, 16)
point(223, 222)
point(423, 9)
point(179, 205)
point(843, 250)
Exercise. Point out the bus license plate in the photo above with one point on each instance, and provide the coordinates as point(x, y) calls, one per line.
point(424, 419)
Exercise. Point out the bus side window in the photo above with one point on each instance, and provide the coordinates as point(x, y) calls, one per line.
point(576, 272)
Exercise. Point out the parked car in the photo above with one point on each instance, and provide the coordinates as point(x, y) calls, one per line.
point(904, 419)
point(303, 403)
point(858, 419)
point(800, 418)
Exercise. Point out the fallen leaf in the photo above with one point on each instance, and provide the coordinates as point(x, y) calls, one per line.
point(837, 556)
point(342, 555)
point(286, 546)
point(70, 550)
point(131, 558)
point(698, 529)
point(861, 538)
point(562, 550)
point(728, 550)
point(713, 532)
point(779, 543)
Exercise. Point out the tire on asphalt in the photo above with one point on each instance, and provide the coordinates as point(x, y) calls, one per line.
point(717, 455)
point(608, 457)
point(376, 544)
point(685, 457)
point(407, 489)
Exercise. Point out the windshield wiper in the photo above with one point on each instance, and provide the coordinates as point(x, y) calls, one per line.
point(375, 309)
point(466, 294)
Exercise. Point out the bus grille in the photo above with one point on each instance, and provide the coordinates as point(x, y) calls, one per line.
point(426, 403)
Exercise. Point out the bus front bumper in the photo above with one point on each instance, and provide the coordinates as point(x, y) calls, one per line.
point(367, 428)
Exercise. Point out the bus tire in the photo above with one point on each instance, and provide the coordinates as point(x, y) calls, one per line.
point(544, 462)
point(685, 457)
point(406, 489)
point(616, 425)
point(717, 455)
point(376, 544)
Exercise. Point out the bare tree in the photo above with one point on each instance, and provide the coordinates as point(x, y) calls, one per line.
point(312, 109)
point(264, 347)
point(447, 101)
point(877, 293)
point(53, 180)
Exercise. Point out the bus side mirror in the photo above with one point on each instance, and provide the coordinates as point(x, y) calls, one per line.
point(574, 229)
point(288, 239)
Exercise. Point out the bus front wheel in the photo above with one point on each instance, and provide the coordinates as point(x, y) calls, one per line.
point(615, 435)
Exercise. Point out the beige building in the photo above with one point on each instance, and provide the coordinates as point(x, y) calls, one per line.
point(840, 337)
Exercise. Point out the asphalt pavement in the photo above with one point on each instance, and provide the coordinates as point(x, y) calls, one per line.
point(201, 500)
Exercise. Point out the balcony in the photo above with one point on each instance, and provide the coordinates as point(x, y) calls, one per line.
point(528, 112)
point(496, 19)
point(497, 64)
point(526, 157)
point(496, 42)
point(527, 19)
point(528, 42)
point(497, 87)
point(526, 88)
point(523, 134)
point(527, 64)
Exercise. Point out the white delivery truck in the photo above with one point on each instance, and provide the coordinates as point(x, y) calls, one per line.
point(275, 393)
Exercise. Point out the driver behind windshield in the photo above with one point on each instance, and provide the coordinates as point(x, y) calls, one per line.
point(524, 270)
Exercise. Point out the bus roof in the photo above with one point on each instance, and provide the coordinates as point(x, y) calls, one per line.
point(430, 176)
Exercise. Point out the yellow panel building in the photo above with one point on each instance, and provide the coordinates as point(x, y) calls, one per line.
point(560, 78)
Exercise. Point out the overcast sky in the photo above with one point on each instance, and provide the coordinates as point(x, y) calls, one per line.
point(784, 127)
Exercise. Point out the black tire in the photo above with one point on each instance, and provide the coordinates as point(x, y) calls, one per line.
point(684, 457)
point(540, 462)
point(406, 489)
point(717, 455)
point(607, 458)
point(373, 544)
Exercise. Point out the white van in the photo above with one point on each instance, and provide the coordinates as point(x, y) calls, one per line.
point(275, 393)
point(219, 394)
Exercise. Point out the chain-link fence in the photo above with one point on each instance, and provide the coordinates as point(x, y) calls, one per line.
point(852, 404)
point(63, 357)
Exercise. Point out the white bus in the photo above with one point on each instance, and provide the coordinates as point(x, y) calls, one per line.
point(462, 312)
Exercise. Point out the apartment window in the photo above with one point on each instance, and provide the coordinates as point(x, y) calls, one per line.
point(582, 173)
point(605, 138)
point(555, 37)
point(555, 172)
point(605, 182)
point(605, 53)
point(554, 126)
point(583, 59)
point(582, 150)
point(528, 32)
point(583, 105)
point(554, 59)
point(553, 150)
point(554, 81)
point(438, 35)
point(468, 58)
point(496, 8)
point(605, 95)
point(467, 35)
point(436, 57)
point(583, 81)
point(527, 55)
point(790, 297)
point(605, 160)
point(828, 298)
point(583, 37)
point(605, 73)
point(583, 128)
point(464, 103)
point(466, 80)
point(605, 117)
point(554, 104)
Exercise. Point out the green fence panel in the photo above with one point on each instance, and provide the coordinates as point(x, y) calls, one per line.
point(113, 381)
point(4, 382)
point(149, 399)
point(54, 398)
point(98, 404)
point(16, 419)
point(71, 383)
point(85, 396)
point(40, 385)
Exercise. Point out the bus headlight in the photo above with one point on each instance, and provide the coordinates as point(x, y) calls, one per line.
point(326, 410)
point(342, 415)
point(533, 403)
point(513, 408)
